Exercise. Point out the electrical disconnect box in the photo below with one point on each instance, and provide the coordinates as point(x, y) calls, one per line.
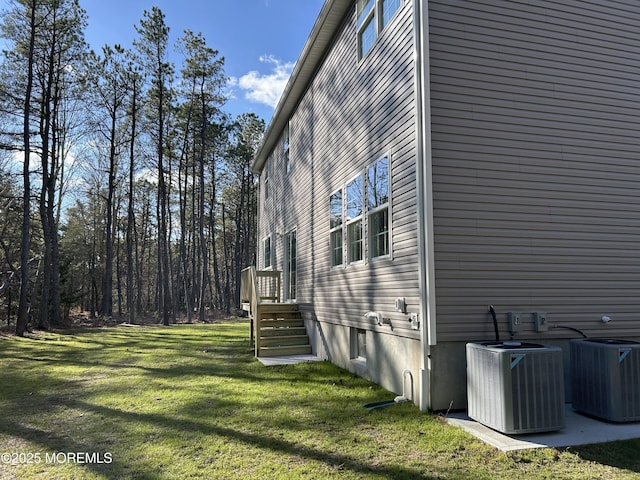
point(514, 322)
point(540, 322)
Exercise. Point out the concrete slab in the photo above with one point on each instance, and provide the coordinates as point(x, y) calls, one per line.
point(579, 430)
point(288, 360)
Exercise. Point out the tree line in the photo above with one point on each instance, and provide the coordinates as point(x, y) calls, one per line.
point(125, 188)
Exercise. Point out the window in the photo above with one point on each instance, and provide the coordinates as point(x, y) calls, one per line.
point(372, 17)
point(335, 214)
point(266, 253)
point(354, 210)
point(378, 207)
point(360, 216)
point(285, 147)
point(290, 266)
point(389, 8)
point(266, 180)
point(366, 26)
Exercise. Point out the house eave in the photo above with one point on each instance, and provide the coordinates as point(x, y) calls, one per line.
point(329, 20)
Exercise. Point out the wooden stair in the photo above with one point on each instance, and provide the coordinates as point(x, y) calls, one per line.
point(281, 331)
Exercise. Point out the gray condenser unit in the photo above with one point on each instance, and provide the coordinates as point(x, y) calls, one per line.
point(605, 376)
point(515, 387)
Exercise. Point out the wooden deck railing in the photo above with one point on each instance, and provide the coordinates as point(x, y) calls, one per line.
point(258, 287)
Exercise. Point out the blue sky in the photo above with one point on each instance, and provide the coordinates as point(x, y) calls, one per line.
point(259, 39)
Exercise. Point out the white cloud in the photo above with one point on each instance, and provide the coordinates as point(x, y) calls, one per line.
point(266, 89)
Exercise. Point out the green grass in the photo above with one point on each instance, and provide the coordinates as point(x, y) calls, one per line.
point(190, 401)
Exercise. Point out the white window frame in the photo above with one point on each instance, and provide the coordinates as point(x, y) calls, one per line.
point(365, 18)
point(370, 13)
point(364, 219)
point(389, 18)
point(371, 211)
point(352, 222)
point(337, 230)
point(267, 240)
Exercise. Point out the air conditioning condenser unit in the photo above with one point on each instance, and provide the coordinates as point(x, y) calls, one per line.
point(515, 387)
point(605, 378)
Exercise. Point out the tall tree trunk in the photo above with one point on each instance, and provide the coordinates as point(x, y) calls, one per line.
point(227, 267)
point(23, 305)
point(119, 276)
point(204, 249)
point(46, 116)
point(165, 296)
point(106, 309)
point(130, 211)
point(216, 267)
point(183, 189)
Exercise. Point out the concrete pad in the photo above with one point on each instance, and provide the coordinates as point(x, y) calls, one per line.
point(288, 360)
point(579, 430)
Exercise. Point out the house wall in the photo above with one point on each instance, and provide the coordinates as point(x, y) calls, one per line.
point(535, 171)
point(352, 114)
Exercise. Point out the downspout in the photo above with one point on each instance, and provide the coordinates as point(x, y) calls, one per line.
point(426, 269)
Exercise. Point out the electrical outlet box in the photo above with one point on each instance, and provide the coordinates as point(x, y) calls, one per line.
point(540, 322)
point(415, 321)
point(514, 322)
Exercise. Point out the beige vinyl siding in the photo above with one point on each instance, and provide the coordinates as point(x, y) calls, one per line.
point(353, 113)
point(536, 162)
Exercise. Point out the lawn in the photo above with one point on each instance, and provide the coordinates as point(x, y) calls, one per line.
point(190, 401)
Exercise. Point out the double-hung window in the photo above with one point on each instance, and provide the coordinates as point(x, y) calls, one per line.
point(335, 214)
point(378, 207)
point(354, 211)
point(360, 216)
point(266, 253)
point(372, 16)
point(388, 10)
point(367, 30)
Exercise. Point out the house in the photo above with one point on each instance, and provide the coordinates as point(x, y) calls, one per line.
point(431, 158)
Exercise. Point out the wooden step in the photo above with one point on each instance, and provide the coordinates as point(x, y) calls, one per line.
point(279, 315)
point(284, 341)
point(285, 350)
point(281, 323)
point(279, 307)
point(282, 332)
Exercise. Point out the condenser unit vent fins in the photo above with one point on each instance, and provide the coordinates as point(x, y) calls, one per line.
point(515, 388)
point(605, 377)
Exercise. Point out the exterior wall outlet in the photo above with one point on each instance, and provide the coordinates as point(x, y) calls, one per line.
point(540, 322)
point(415, 321)
point(514, 322)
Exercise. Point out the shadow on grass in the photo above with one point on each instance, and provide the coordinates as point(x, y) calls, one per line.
point(52, 408)
point(39, 396)
point(624, 455)
point(52, 443)
point(263, 442)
